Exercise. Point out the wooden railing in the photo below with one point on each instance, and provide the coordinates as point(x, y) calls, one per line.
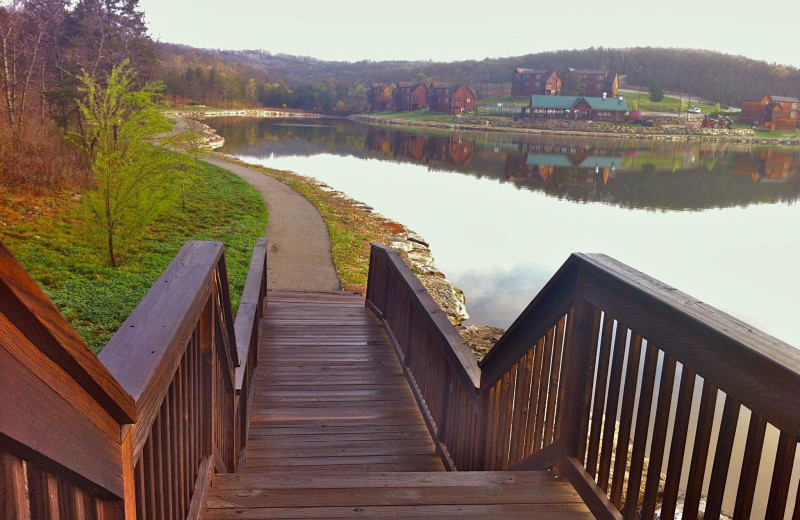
point(442, 370)
point(640, 395)
point(139, 431)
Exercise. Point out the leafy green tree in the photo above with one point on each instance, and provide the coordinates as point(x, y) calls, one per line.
point(191, 140)
point(118, 129)
point(656, 93)
point(571, 84)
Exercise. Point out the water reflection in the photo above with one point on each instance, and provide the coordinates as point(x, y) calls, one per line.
point(502, 212)
point(657, 175)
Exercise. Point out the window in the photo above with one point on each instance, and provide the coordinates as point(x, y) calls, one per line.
point(599, 85)
point(794, 106)
point(538, 83)
point(793, 115)
point(600, 77)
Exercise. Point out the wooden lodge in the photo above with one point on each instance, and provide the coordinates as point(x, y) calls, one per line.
point(451, 99)
point(596, 83)
point(529, 82)
point(379, 97)
point(409, 97)
point(771, 112)
point(579, 108)
point(328, 405)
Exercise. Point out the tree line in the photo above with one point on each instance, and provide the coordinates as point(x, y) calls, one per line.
point(46, 47)
point(711, 75)
point(195, 76)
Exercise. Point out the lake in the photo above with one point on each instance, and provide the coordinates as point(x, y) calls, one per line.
point(503, 211)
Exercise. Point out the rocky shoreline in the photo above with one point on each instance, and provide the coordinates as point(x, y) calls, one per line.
point(666, 128)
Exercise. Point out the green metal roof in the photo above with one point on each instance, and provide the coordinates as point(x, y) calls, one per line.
point(536, 159)
point(555, 102)
point(566, 102)
point(610, 103)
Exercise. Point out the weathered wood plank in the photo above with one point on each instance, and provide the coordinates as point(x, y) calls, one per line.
point(31, 312)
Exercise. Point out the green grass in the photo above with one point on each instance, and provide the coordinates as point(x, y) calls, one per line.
point(418, 115)
point(668, 104)
point(95, 297)
point(777, 134)
point(517, 101)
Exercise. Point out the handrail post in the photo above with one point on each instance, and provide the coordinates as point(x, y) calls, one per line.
point(482, 435)
point(577, 367)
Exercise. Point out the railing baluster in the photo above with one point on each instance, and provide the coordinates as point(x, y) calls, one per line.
point(678, 445)
point(697, 470)
point(522, 401)
point(722, 458)
point(626, 419)
point(555, 380)
point(637, 459)
point(543, 385)
point(600, 389)
point(660, 425)
point(610, 417)
point(781, 476)
point(750, 466)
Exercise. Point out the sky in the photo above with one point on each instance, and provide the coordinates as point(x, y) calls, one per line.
point(355, 30)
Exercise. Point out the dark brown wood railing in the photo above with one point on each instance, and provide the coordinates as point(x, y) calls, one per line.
point(602, 356)
point(442, 370)
point(160, 410)
point(48, 376)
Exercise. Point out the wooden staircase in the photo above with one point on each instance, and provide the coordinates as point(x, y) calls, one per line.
point(335, 432)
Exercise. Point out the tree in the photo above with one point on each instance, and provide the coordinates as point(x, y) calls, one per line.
point(656, 93)
point(571, 84)
point(118, 128)
point(192, 141)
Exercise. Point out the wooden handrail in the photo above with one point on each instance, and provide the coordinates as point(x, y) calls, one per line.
point(150, 420)
point(605, 352)
point(443, 372)
point(247, 327)
point(49, 374)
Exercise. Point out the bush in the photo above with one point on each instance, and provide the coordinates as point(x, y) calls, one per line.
point(38, 158)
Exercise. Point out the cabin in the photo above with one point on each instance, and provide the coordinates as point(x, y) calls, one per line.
point(451, 99)
point(770, 165)
point(409, 97)
point(595, 83)
point(580, 108)
point(379, 97)
point(529, 82)
point(771, 112)
point(452, 149)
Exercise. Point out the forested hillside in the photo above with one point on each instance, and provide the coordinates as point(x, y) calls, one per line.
point(712, 75)
point(47, 45)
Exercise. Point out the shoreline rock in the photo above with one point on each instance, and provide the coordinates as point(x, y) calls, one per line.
point(668, 131)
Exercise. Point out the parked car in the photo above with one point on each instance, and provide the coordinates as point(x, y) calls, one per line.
point(694, 110)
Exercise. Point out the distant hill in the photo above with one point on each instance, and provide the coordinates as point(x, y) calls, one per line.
point(711, 75)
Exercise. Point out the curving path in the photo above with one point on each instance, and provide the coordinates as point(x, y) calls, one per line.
point(299, 255)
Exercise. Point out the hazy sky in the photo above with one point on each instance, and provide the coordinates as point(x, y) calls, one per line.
point(354, 30)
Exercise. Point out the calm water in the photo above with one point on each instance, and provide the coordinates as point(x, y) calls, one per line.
point(503, 212)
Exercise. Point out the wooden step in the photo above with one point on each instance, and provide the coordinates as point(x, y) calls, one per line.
point(507, 495)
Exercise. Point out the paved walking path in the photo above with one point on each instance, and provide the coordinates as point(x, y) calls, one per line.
point(299, 254)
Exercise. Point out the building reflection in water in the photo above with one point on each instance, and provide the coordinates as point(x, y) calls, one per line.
point(658, 175)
